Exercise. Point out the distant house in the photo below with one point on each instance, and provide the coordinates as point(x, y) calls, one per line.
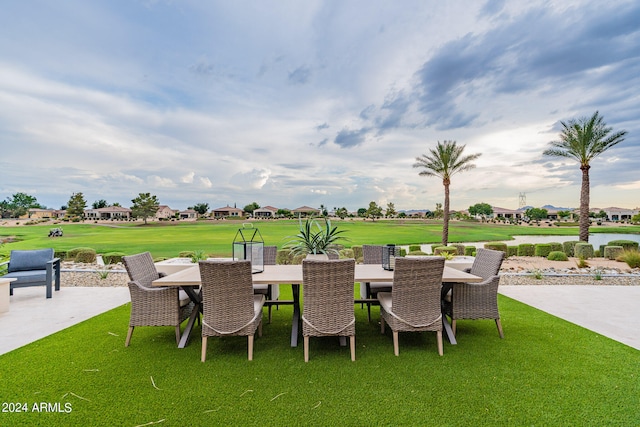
point(188, 214)
point(108, 213)
point(35, 213)
point(619, 214)
point(305, 211)
point(227, 211)
point(506, 213)
point(165, 212)
point(265, 212)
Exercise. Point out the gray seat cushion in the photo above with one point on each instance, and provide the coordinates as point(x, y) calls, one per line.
point(30, 276)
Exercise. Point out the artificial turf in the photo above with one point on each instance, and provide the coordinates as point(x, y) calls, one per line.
point(545, 371)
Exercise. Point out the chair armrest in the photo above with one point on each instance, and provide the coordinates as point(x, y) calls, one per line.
point(162, 274)
point(485, 282)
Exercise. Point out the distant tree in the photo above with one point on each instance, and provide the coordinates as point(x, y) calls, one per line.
point(482, 209)
point(18, 205)
point(583, 140)
point(374, 211)
point(444, 161)
point(536, 214)
point(362, 212)
point(201, 208)
point(402, 215)
point(99, 204)
point(635, 219)
point(391, 210)
point(285, 213)
point(437, 213)
point(342, 213)
point(251, 207)
point(564, 214)
point(144, 206)
point(115, 204)
point(602, 214)
point(323, 210)
point(76, 206)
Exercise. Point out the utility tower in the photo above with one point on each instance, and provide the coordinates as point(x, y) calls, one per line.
point(522, 202)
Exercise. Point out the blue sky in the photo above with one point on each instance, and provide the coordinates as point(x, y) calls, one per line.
point(290, 103)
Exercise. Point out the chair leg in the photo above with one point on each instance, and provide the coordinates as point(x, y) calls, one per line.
point(499, 325)
point(306, 348)
point(203, 355)
point(128, 340)
point(453, 326)
point(396, 348)
point(250, 347)
point(270, 314)
point(439, 336)
point(352, 344)
point(178, 334)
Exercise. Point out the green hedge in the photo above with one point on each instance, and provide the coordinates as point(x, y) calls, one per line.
point(612, 252)
point(470, 251)
point(569, 247)
point(512, 251)
point(526, 249)
point(460, 247)
point(73, 253)
point(628, 245)
point(542, 249)
point(556, 246)
point(112, 257)
point(496, 246)
point(440, 249)
point(557, 256)
point(583, 250)
point(357, 253)
point(413, 248)
point(87, 256)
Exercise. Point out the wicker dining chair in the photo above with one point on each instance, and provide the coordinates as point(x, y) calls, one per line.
point(328, 301)
point(372, 254)
point(413, 305)
point(475, 301)
point(153, 306)
point(271, 291)
point(230, 307)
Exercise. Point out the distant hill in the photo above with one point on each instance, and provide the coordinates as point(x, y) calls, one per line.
point(548, 207)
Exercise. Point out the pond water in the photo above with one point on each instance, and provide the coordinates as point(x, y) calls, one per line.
point(595, 239)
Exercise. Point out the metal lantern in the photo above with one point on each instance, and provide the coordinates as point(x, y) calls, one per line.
point(389, 254)
point(248, 244)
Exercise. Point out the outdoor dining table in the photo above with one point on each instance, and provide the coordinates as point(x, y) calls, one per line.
point(189, 279)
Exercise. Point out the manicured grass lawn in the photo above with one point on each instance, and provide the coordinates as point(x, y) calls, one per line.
point(215, 237)
point(545, 372)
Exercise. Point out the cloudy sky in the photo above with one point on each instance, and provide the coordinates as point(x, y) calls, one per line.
point(291, 103)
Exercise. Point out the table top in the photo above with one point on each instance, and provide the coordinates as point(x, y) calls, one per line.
point(293, 274)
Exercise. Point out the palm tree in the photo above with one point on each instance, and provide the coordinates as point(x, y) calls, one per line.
point(583, 140)
point(444, 161)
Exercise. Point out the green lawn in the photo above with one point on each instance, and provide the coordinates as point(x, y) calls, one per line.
point(215, 237)
point(545, 372)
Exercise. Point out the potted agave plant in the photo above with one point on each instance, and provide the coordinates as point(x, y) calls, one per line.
point(314, 240)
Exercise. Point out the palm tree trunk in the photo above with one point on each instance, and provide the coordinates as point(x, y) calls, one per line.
point(584, 204)
point(445, 216)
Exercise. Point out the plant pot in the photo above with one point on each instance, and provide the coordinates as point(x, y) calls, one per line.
point(318, 257)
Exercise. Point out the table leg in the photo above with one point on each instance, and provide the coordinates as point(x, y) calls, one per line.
point(197, 309)
point(295, 322)
point(446, 287)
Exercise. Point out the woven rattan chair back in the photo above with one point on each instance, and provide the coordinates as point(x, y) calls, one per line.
point(417, 283)
point(227, 297)
point(487, 263)
point(269, 255)
point(372, 254)
point(141, 268)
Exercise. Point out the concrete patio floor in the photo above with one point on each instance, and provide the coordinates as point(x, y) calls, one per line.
point(613, 311)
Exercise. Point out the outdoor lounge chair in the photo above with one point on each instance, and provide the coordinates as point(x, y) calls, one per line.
point(477, 300)
point(413, 305)
point(34, 268)
point(153, 306)
point(270, 291)
point(229, 304)
point(328, 301)
point(372, 254)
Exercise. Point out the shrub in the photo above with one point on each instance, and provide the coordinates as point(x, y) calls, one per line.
point(60, 253)
point(512, 251)
point(628, 245)
point(542, 249)
point(526, 249)
point(112, 257)
point(470, 251)
point(583, 250)
point(612, 252)
point(413, 248)
point(597, 253)
point(459, 247)
point(555, 246)
point(581, 263)
point(496, 246)
point(73, 253)
point(632, 258)
point(86, 255)
point(557, 256)
point(346, 253)
point(284, 257)
point(569, 247)
point(186, 254)
point(357, 253)
point(403, 252)
point(448, 249)
point(416, 253)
